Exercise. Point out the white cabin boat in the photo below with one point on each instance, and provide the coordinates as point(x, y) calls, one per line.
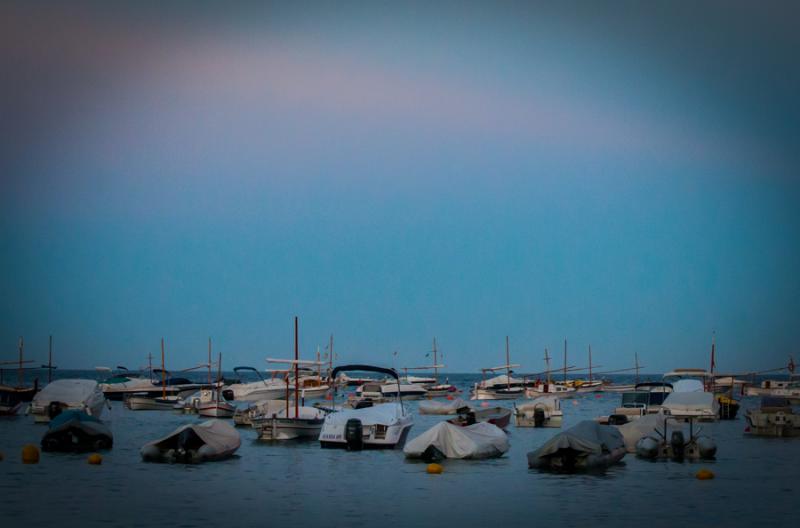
point(789, 389)
point(544, 411)
point(774, 417)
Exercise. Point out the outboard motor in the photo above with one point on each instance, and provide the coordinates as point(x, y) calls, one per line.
point(617, 419)
point(228, 394)
point(538, 417)
point(432, 454)
point(354, 434)
point(54, 409)
point(678, 444)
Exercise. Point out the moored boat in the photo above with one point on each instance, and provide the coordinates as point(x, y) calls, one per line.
point(586, 446)
point(194, 443)
point(445, 440)
point(67, 394)
point(774, 417)
point(76, 431)
point(544, 411)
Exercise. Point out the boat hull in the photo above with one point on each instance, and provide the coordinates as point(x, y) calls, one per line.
point(288, 428)
point(216, 410)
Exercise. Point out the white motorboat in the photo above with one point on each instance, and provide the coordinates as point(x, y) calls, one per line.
point(774, 417)
point(696, 405)
point(389, 390)
point(647, 398)
point(558, 390)
point(147, 402)
point(445, 440)
point(73, 394)
point(265, 389)
point(544, 411)
point(385, 425)
point(194, 443)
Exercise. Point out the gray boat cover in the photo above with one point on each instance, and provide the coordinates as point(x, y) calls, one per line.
point(480, 440)
point(220, 438)
point(587, 437)
point(647, 425)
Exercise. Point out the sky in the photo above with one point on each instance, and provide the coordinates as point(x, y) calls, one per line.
point(624, 175)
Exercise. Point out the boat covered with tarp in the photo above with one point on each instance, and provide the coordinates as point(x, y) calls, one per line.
point(194, 443)
point(694, 405)
point(445, 440)
point(67, 394)
point(586, 446)
point(76, 431)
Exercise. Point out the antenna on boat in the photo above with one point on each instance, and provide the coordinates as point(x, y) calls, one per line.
point(435, 363)
point(296, 371)
point(163, 372)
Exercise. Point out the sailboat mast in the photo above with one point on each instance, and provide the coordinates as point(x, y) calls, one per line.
point(508, 366)
point(19, 370)
point(163, 373)
point(209, 362)
point(590, 363)
point(296, 372)
point(547, 362)
point(435, 363)
point(565, 361)
point(50, 361)
point(219, 377)
point(636, 356)
point(330, 359)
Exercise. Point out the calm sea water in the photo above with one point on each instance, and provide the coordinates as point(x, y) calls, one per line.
point(272, 483)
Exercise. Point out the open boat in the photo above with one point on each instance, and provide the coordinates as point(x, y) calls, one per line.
point(384, 425)
point(216, 407)
point(67, 394)
point(76, 431)
point(445, 440)
point(433, 388)
point(12, 398)
point(774, 417)
point(149, 401)
point(497, 416)
point(194, 443)
point(544, 411)
point(244, 416)
point(502, 387)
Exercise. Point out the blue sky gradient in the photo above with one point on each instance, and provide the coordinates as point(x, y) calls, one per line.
point(621, 174)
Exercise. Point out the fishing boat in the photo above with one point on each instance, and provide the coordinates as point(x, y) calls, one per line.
point(383, 425)
point(502, 387)
point(67, 394)
point(76, 431)
point(293, 421)
point(12, 397)
point(498, 416)
point(433, 388)
point(194, 443)
point(148, 401)
point(544, 411)
point(445, 440)
point(586, 446)
point(774, 417)
point(216, 407)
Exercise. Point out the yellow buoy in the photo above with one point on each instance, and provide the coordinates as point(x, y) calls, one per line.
point(435, 469)
point(30, 454)
point(704, 474)
point(95, 459)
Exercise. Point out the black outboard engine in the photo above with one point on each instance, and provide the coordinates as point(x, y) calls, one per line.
point(354, 434)
point(228, 394)
point(538, 417)
point(678, 444)
point(617, 419)
point(432, 454)
point(54, 409)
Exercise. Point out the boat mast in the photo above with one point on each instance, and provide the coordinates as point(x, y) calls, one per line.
point(219, 378)
point(590, 363)
point(163, 373)
point(547, 362)
point(565, 361)
point(508, 367)
point(209, 363)
point(19, 370)
point(296, 372)
point(636, 356)
point(330, 359)
point(435, 363)
point(50, 361)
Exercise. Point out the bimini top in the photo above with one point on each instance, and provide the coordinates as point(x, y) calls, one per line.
point(365, 368)
point(69, 391)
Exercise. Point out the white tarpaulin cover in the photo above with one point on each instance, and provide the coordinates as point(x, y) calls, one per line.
point(586, 437)
point(384, 413)
point(435, 407)
point(480, 440)
point(69, 391)
point(647, 425)
point(687, 385)
point(548, 403)
point(220, 437)
point(681, 403)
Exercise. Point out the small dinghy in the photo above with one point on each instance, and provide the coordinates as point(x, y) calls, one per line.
point(587, 446)
point(445, 440)
point(76, 431)
point(442, 408)
point(194, 443)
point(499, 416)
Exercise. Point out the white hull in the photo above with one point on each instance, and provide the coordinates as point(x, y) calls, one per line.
point(40, 413)
point(145, 403)
point(492, 394)
point(221, 410)
point(77, 395)
point(382, 426)
point(288, 428)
